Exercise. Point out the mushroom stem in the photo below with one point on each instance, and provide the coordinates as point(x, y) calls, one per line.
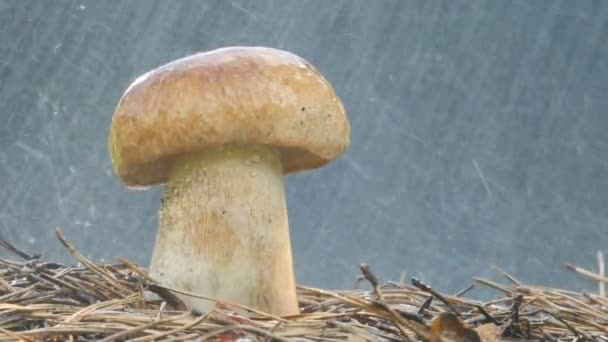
point(224, 230)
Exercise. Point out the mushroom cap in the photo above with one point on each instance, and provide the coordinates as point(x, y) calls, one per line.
point(232, 95)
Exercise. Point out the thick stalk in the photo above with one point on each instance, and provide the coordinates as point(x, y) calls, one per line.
point(224, 230)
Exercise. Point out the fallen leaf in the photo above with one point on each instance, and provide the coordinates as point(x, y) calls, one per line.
point(489, 332)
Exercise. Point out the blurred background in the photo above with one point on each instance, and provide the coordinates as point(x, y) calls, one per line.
point(479, 130)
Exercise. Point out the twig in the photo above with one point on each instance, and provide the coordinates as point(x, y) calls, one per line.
point(586, 273)
point(6, 285)
point(464, 291)
point(88, 264)
point(129, 332)
point(515, 308)
point(426, 288)
point(508, 276)
point(367, 274)
point(568, 325)
point(425, 305)
point(494, 285)
point(351, 330)
point(18, 336)
point(398, 319)
point(602, 274)
point(487, 315)
point(245, 328)
point(242, 307)
point(178, 329)
point(272, 330)
point(60, 303)
point(11, 248)
point(159, 316)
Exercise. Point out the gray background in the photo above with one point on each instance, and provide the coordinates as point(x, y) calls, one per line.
point(479, 130)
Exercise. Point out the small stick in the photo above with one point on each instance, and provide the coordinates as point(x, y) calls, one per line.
point(426, 288)
point(596, 312)
point(127, 332)
point(179, 329)
point(493, 285)
point(416, 317)
point(385, 313)
point(425, 305)
point(167, 296)
point(245, 328)
point(272, 330)
point(352, 330)
point(17, 251)
point(549, 338)
point(18, 336)
point(602, 273)
point(6, 285)
point(75, 317)
point(159, 316)
point(369, 276)
point(508, 276)
point(120, 290)
point(487, 315)
point(135, 268)
point(399, 320)
point(403, 277)
point(515, 308)
point(464, 291)
point(9, 296)
point(242, 307)
point(83, 294)
point(568, 325)
point(586, 273)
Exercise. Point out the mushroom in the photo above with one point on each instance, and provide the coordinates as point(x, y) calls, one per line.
point(220, 130)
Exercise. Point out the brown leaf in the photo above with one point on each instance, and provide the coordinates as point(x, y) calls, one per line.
point(448, 327)
point(489, 332)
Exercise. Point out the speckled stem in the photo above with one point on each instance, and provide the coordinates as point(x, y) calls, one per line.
point(224, 230)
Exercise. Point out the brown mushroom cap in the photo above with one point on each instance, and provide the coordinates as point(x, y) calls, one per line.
point(234, 95)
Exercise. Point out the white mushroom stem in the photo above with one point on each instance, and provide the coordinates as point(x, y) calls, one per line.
point(224, 230)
